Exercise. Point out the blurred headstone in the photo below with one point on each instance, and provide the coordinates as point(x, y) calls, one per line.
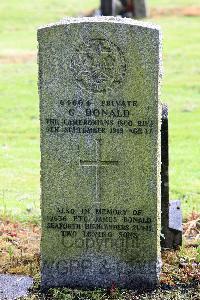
point(108, 7)
point(140, 9)
point(125, 8)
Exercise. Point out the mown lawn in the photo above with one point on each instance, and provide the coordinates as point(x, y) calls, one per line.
point(19, 125)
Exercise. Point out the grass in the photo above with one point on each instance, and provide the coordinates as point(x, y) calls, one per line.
point(20, 19)
point(182, 293)
point(181, 92)
point(19, 133)
point(19, 137)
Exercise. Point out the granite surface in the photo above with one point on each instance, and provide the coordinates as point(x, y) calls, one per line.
point(175, 215)
point(14, 286)
point(100, 152)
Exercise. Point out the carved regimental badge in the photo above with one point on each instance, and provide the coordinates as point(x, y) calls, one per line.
point(98, 65)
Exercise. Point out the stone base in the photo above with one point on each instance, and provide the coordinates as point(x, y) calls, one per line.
point(95, 272)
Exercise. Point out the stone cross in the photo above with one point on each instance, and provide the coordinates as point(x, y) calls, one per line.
point(98, 164)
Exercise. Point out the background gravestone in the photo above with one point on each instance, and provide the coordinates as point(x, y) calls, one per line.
point(171, 218)
point(108, 7)
point(140, 9)
point(126, 8)
point(100, 153)
point(164, 175)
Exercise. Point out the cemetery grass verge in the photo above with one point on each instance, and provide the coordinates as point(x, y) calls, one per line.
point(19, 135)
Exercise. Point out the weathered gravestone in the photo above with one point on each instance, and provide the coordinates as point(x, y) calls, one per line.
point(100, 146)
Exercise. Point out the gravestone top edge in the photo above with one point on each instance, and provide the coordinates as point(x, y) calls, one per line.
point(101, 19)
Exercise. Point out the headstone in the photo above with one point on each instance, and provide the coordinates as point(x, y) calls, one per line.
point(171, 217)
point(100, 153)
point(107, 7)
point(140, 9)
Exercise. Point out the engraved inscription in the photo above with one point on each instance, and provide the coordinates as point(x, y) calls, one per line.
point(100, 228)
point(98, 65)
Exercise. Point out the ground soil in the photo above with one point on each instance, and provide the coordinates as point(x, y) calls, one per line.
point(190, 11)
